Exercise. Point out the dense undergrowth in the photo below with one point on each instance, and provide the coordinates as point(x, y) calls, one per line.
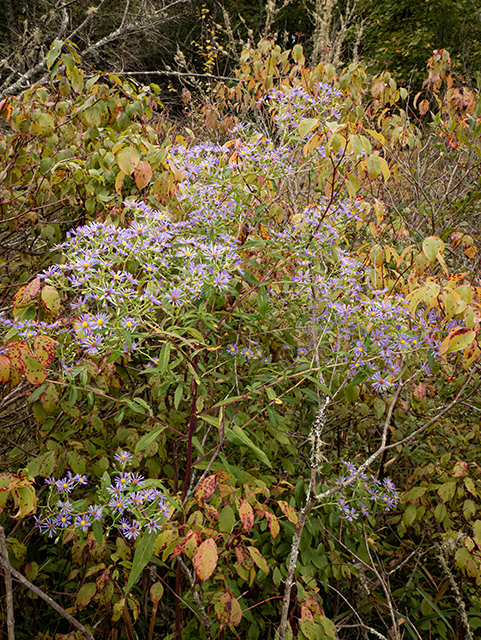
point(240, 355)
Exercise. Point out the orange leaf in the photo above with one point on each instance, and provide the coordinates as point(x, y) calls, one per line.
point(143, 174)
point(205, 559)
point(273, 524)
point(246, 515)
point(205, 489)
point(288, 511)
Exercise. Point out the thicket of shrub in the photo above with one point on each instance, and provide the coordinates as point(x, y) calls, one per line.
point(270, 317)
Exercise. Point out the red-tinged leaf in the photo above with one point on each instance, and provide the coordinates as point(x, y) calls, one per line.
point(25, 501)
point(17, 352)
point(178, 548)
point(119, 181)
point(18, 298)
point(205, 559)
point(459, 469)
point(258, 559)
point(457, 340)
point(246, 515)
point(5, 366)
point(103, 580)
point(419, 392)
point(306, 613)
point(31, 291)
point(143, 174)
point(273, 524)
point(15, 378)
point(49, 398)
point(34, 370)
point(477, 532)
point(288, 511)
point(6, 109)
point(42, 465)
point(118, 610)
point(190, 544)
point(44, 349)
point(51, 299)
point(211, 512)
point(94, 569)
point(205, 489)
point(227, 609)
point(239, 554)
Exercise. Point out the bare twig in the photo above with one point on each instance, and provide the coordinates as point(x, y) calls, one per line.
point(16, 574)
point(8, 586)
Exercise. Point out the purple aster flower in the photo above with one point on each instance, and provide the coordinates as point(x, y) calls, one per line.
point(379, 381)
point(133, 530)
point(63, 520)
point(118, 503)
point(153, 526)
point(363, 509)
point(129, 323)
point(82, 523)
point(221, 280)
point(95, 511)
point(64, 485)
point(124, 479)
point(123, 456)
point(232, 349)
point(137, 479)
point(136, 499)
point(49, 525)
point(175, 296)
point(83, 323)
point(100, 320)
point(124, 525)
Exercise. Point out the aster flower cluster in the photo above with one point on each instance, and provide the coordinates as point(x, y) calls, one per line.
point(164, 271)
point(290, 105)
point(366, 492)
point(127, 503)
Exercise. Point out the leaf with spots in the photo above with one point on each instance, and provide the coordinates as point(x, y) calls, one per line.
point(273, 524)
point(205, 489)
point(288, 511)
point(227, 609)
point(31, 291)
point(44, 349)
point(246, 515)
point(143, 174)
point(51, 299)
point(49, 398)
point(34, 370)
point(5, 366)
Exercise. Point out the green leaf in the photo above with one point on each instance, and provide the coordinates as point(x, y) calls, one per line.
point(98, 532)
point(43, 465)
point(143, 554)
point(164, 357)
point(237, 436)
point(128, 159)
point(432, 246)
point(145, 440)
point(86, 593)
point(227, 519)
point(178, 395)
point(54, 52)
point(307, 125)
